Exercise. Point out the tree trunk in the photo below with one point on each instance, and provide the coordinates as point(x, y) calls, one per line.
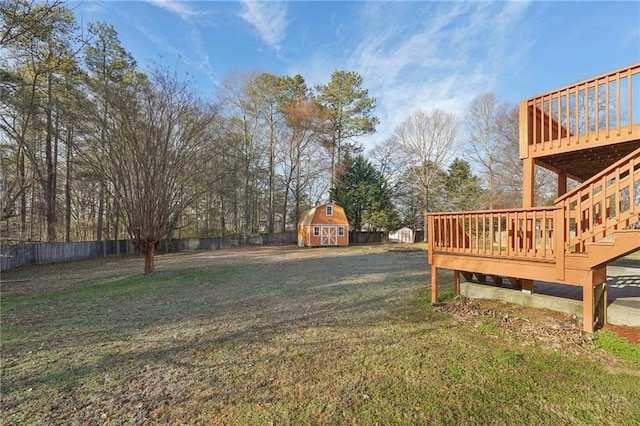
point(116, 224)
point(332, 177)
point(49, 180)
point(67, 187)
point(103, 126)
point(148, 249)
point(100, 213)
point(298, 184)
point(490, 188)
point(246, 203)
point(23, 196)
point(272, 190)
point(285, 203)
point(426, 212)
point(223, 222)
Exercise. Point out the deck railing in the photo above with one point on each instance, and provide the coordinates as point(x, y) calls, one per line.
point(514, 233)
point(594, 112)
point(607, 202)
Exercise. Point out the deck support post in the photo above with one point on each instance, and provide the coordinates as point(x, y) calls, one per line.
point(434, 284)
point(600, 304)
point(527, 286)
point(516, 283)
point(562, 182)
point(456, 283)
point(587, 308)
point(594, 300)
point(528, 183)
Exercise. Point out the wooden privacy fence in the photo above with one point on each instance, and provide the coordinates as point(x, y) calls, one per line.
point(14, 256)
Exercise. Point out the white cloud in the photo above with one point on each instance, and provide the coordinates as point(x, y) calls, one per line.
point(268, 18)
point(94, 9)
point(176, 7)
point(425, 55)
point(457, 52)
point(191, 56)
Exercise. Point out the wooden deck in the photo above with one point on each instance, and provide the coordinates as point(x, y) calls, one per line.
point(590, 132)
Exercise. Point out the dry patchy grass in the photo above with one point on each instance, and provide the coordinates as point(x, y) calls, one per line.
point(281, 336)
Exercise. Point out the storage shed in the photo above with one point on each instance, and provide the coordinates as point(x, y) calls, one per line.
point(402, 235)
point(323, 225)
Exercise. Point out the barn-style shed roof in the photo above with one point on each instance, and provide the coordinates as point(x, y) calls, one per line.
point(318, 212)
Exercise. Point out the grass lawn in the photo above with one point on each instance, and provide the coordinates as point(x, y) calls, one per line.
point(287, 336)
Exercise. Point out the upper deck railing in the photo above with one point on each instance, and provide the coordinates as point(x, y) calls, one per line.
point(600, 111)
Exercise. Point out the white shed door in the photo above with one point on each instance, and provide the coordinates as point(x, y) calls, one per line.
point(329, 235)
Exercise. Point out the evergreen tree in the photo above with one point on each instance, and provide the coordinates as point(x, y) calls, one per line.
point(364, 195)
point(349, 115)
point(111, 68)
point(463, 189)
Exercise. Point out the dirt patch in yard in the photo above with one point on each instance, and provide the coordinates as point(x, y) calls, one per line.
point(632, 334)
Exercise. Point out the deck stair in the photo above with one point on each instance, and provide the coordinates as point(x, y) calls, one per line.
point(623, 243)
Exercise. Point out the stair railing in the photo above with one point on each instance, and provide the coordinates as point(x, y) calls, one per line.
point(607, 202)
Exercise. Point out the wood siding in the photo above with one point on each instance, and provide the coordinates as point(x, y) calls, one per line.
point(318, 217)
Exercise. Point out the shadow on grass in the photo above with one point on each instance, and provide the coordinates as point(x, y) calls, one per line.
point(63, 336)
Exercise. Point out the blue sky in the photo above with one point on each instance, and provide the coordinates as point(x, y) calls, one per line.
point(411, 54)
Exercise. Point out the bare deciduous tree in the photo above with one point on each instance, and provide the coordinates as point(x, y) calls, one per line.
point(244, 112)
point(304, 119)
point(506, 165)
point(158, 144)
point(485, 142)
point(425, 141)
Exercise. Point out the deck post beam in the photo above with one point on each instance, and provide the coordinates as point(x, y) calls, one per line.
point(562, 182)
point(434, 284)
point(528, 183)
point(516, 283)
point(600, 304)
point(587, 308)
point(456, 283)
point(527, 286)
point(560, 235)
point(524, 126)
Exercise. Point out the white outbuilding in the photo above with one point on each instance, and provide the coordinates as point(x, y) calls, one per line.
point(402, 235)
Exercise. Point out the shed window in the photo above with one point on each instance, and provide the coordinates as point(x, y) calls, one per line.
point(316, 231)
point(329, 210)
point(340, 231)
